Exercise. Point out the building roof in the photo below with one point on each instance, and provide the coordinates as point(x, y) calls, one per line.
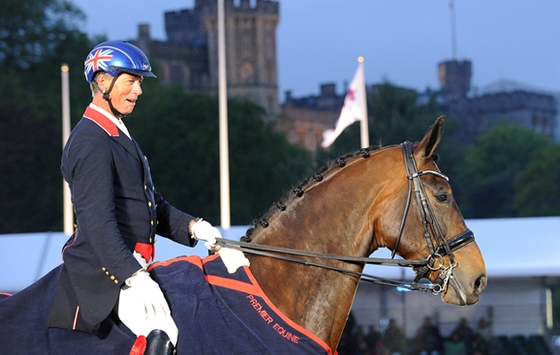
point(512, 248)
point(505, 85)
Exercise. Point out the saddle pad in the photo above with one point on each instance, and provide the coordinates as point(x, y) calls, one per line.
point(216, 312)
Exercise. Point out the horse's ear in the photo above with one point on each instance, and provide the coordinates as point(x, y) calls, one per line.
point(431, 139)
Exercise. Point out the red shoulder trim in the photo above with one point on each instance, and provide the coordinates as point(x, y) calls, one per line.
point(102, 121)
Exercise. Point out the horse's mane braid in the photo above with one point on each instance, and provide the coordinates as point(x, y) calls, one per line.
point(299, 189)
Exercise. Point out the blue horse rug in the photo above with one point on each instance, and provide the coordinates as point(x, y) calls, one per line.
point(216, 312)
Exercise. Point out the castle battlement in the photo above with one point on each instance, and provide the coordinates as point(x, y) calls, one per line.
point(261, 6)
point(190, 55)
point(241, 6)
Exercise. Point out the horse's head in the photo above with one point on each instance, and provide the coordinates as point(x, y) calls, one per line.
point(432, 226)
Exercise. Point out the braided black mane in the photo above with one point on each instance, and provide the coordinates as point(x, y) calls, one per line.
point(299, 189)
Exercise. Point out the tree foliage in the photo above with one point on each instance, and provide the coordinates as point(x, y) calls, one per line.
point(491, 166)
point(179, 133)
point(32, 29)
point(398, 115)
point(29, 170)
point(537, 191)
point(509, 171)
point(36, 37)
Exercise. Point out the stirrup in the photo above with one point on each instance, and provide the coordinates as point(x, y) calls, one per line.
point(159, 343)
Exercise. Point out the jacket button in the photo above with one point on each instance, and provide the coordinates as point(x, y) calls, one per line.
point(116, 282)
point(149, 203)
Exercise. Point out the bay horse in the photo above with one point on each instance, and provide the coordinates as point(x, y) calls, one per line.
point(356, 205)
point(306, 256)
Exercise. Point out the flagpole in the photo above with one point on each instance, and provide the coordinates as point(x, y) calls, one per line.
point(223, 121)
point(68, 212)
point(364, 130)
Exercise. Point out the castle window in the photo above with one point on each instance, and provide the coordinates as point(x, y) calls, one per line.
point(302, 135)
point(247, 73)
point(176, 76)
point(270, 72)
point(534, 122)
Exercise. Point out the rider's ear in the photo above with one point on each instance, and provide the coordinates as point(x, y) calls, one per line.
point(431, 139)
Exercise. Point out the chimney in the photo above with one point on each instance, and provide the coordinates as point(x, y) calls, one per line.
point(143, 31)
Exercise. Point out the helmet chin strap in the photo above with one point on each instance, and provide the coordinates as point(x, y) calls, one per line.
point(106, 97)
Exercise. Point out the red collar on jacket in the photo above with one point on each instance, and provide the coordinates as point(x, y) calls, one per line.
point(102, 121)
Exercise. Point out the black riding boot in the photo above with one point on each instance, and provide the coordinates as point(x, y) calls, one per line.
point(159, 343)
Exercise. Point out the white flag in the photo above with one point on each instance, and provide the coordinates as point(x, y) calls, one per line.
point(353, 109)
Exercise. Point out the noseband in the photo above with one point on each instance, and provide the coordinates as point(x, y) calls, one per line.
point(432, 229)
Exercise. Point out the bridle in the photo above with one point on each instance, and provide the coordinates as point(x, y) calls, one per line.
point(422, 267)
point(430, 225)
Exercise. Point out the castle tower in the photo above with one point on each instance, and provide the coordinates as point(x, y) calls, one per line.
point(454, 78)
point(250, 31)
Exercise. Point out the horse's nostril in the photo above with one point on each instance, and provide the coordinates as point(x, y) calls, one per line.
point(480, 283)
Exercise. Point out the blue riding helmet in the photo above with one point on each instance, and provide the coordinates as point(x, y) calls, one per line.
point(115, 57)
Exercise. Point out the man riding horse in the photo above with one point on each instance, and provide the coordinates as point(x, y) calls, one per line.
point(119, 212)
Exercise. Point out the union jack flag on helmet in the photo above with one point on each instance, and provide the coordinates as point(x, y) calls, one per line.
point(115, 57)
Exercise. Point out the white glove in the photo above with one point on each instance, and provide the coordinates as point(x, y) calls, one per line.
point(202, 230)
point(141, 295)
point(143, 308)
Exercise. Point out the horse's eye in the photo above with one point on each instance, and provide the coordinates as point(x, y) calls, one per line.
point(441, 197)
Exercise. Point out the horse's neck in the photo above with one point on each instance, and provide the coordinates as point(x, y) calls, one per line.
point(316, 298)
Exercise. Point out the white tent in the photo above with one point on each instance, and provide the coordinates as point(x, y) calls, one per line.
point(522, 258)
point(512, 248)
point(27, 257)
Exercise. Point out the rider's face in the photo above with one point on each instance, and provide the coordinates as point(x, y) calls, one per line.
point(126, 90)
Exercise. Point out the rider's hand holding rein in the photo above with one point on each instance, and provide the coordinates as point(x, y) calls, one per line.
point(202, 230)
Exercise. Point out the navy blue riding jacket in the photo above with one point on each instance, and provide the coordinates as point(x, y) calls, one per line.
point(118, 210)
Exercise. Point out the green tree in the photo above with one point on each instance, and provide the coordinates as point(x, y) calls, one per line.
point(36, 37)
point(491, 166)
point(178, 132)
point(29, 170)
point(398, 115)
point(556, 309)
point(537, 191)
point(30, 29)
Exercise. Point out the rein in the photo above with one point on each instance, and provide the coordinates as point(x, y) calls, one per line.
point(269, 251)
point(422, 267)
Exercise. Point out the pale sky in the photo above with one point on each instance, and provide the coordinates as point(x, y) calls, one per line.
point(318, 41)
